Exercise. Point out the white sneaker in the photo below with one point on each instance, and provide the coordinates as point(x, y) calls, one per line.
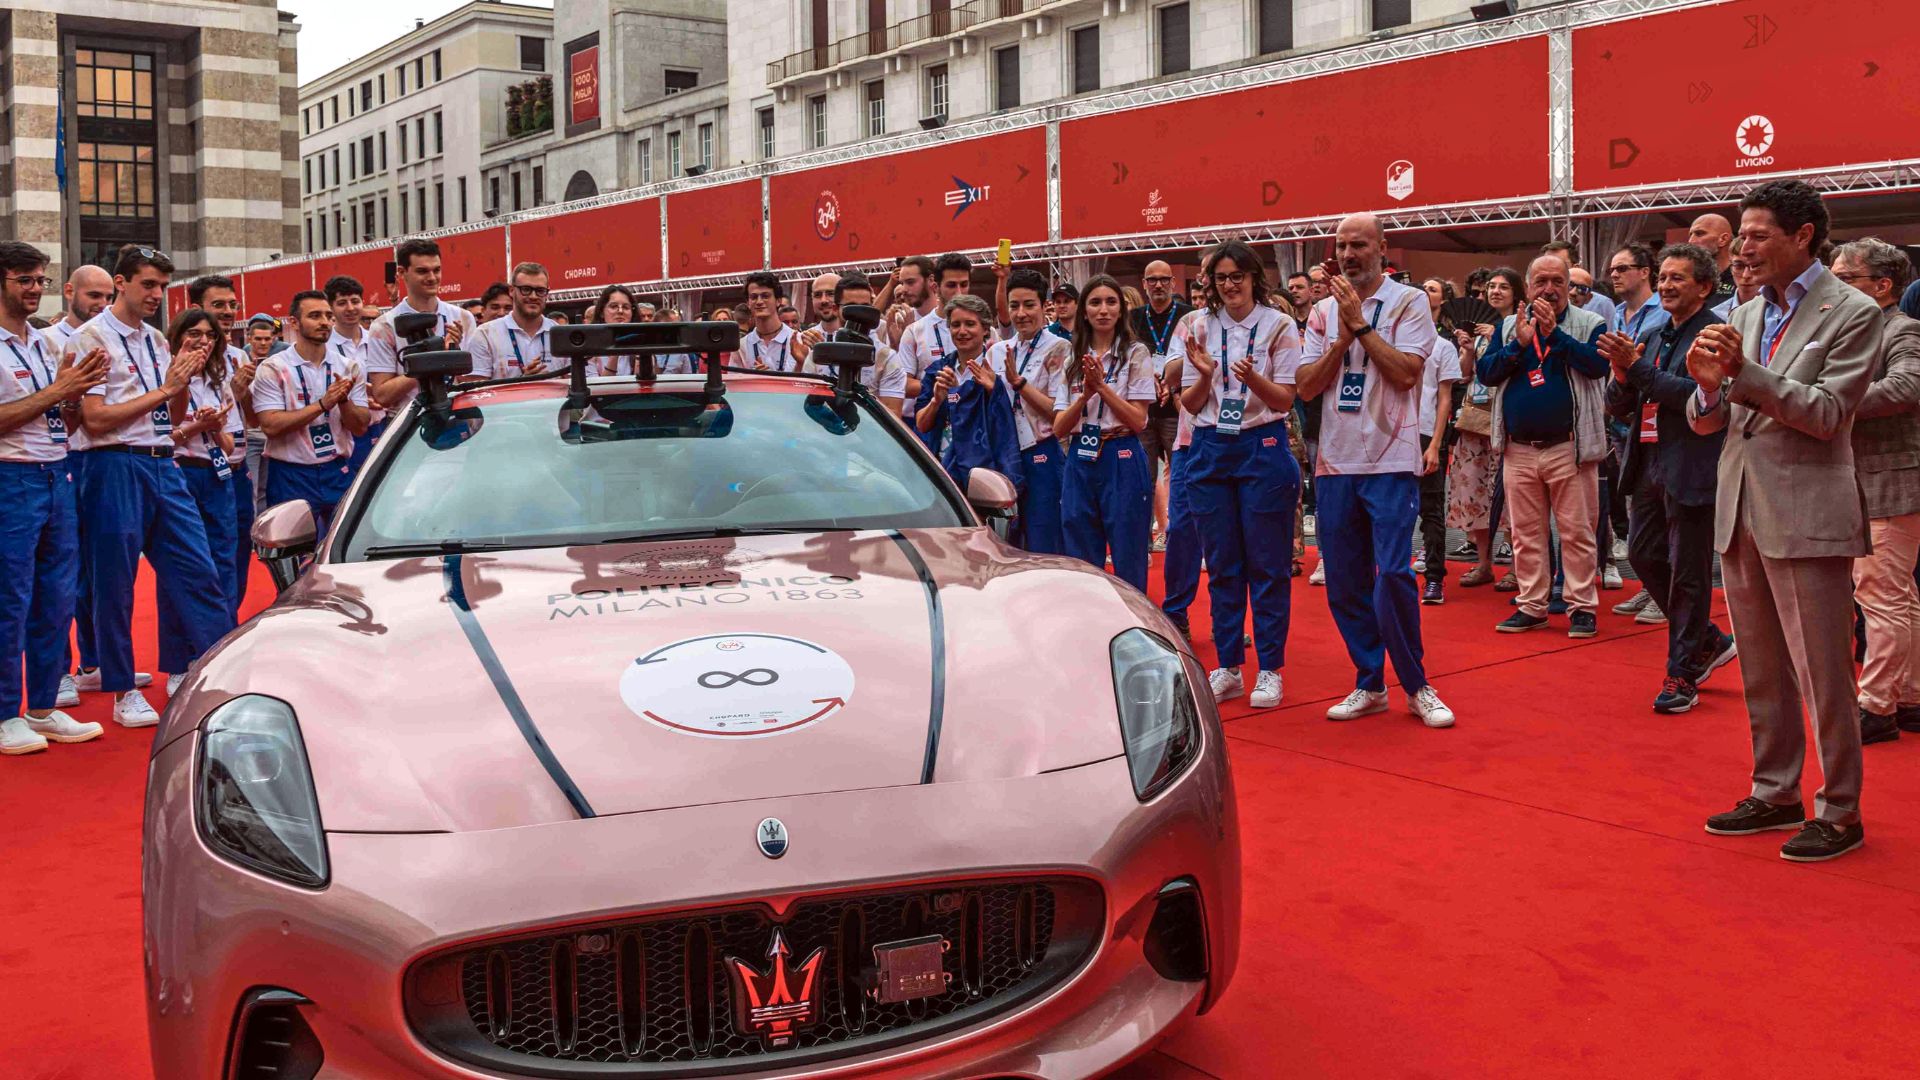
point(1420, 564)
point(1610, 579)
point(1619, 549)
point(1632, 604)
point(58, 727)
point(1358, 704)
point(1226, 684)
point(69, 694)
point(1319, 575)
point(88, 682)
point(1433, 712)
point(134, 711)
point(1266, 690)
point(173, 684)
point(1651, 615)
point(17, 738)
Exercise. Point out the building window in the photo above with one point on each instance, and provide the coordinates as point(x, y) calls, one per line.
point(436, 64)
point(517, 203)
point(323, 232)
point(403, 144)
point(420, 71)
point(403, 214)
point(439, 204)
point(401, 73)
point(706, 146)
point(1276, 25)
point(113, 85)
point(533, 54)
point(539, 186)
point(646, 161)
point(306, 128)
point(679, 82)
point(765, 117)
point(420, 136)
point(385, 221)
point(817, 121)
point(116, 181)
point(366, 155)
point(1086, 59)
point(1388, 14)
point(366, 209)
point(383, 88)
point(1176, 42)
point(876, 108)
point(350, 103)
point(937, 91)
point(336, 165)
point(1006, 77)
point(306, 184)
point(460, 187)
point(339, 228)
point(673, 154)
point(366, 94)
point(383, 151)
point(439, 135)
point(493, 193)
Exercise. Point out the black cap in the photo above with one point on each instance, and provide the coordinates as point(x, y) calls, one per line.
point(1065, 289)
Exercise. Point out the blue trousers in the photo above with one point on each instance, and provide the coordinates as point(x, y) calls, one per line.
point(135, 505)
point(83, 590)
point(1046, 470)
point(322, 486)
point(1243, 489)
point(241, 559)
point(363, 446)
point(213, 497)
point(39, 571)
point(1106, 508)
point(1364, 523)
point(1181, 566)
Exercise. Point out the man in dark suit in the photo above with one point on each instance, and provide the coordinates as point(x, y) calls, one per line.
point(1785, 379)
point(1671, 472)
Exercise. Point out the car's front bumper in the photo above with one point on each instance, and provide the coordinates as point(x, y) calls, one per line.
point(213, 932)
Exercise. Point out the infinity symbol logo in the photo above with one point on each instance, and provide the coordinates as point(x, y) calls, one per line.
point(720, 680)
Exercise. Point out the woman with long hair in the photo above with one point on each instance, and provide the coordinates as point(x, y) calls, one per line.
point(1101, 408)
point(1243, 483)
point(1474, 470)
point(615, 304)
point(967, 396)
point(204, 449)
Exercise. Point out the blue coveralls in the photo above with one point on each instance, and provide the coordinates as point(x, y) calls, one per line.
point(1242, 489)
point(1106, 504)
point(211, 483)
point(979, 424)
point(1043, 466)
point(39, 557)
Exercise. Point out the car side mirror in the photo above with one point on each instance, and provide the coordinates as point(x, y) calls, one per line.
point(283, 536)
point(991, 493)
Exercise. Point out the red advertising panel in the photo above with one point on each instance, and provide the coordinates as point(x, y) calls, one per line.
point(1377, 138)
point(471, 261)
point(950, 197)
point(269, 288)
point(1745, 87)
point(176, 301)
point(369, 268)
point(583, 80)
point(588, 249)
point(714, 230)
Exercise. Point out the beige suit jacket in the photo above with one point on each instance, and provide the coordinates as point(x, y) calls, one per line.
point(1789, 451)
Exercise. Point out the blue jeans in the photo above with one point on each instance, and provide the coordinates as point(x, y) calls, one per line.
point(1243, 489)
point(39, 570)
point(1364, 522)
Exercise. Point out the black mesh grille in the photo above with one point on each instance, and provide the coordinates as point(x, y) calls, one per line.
point(655, 992)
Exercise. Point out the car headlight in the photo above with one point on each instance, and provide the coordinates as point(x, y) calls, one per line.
point(1159, 722)
point(256, 805)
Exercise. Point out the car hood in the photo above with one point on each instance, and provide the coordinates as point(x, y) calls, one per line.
point(495, 690)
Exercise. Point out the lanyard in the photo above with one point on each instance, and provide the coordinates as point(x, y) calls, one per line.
point(518, 359)
point(1780, 333)
point(782, 366)
point(1374, 322)
point(1162, 334)
point(1113, 365)
point(135, 364)
point(300, 377)
point(1226, 354)
point(35, 372)
point(940, 346)
point(1032, 344)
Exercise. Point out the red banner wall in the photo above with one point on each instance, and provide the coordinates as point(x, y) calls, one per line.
point(954, 196)
point(714, 230)
point(588, 249)
point(471, 261)
point(176, 301)
point(369, 268)
point(1745, 87)
point(268, 289)
point(1413, 133)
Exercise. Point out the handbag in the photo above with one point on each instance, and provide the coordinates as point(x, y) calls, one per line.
point(1475, 420)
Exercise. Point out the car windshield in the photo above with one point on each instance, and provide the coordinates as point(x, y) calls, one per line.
point(514, 473)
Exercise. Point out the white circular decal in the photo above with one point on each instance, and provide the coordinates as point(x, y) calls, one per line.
point(737, 686)
point(1754, 136)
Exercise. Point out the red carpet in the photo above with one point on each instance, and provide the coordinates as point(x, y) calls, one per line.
point(1528, 894)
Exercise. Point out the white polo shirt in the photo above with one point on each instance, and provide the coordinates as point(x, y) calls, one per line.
point(137, 362)
point(1042, 361)
point(27, 366)
point(1265, 335)
point(885, 377)
point(1132, 378)
point(774, 353)
point(502, 350)
point(202, 394)
point(384, 344)
point(924, 342)
point(1383, 434)
point(1442, 366)
point(59, 336)
point(347, 350)
point(286, 381)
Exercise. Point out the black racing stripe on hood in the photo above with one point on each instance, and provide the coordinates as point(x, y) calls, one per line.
point(490, 660)
point(936, 625)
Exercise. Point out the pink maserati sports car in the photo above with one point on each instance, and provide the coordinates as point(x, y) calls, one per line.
point(680, 725)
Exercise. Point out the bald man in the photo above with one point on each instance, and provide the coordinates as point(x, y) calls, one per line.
point(1165, 439)
point(87, 291)
point(1715, 233)
point(825, 308)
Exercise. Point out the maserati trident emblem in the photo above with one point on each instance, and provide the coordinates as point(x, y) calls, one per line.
point(772, 835)
point(776, 1005)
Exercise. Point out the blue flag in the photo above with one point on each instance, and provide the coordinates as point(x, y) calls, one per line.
point(60, 142)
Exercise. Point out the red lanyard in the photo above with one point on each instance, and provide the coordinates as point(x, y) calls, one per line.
point(1780, 335)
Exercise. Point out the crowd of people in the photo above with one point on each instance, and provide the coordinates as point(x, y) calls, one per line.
point(1752, 393)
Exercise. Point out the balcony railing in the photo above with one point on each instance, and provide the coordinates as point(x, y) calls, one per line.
point(880, 41)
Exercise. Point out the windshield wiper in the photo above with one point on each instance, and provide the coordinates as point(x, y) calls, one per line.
point(719, 531)
point(443, 547)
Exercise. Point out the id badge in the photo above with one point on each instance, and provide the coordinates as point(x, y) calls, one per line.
point(1233, 411)
point(163, 419)
point(218, 457)
point(1481, 395)
point(1086, 445)
point(56, 426)
point(1650, 422)
point(1536, 377)
point(321, 437)
point(1353, 390)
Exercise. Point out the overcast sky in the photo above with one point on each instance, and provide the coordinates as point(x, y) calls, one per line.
point(334, 32)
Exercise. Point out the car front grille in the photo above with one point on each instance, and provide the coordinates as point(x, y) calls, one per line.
point(655, 994)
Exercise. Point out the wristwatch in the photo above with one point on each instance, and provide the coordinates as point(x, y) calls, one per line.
point(1363, 331)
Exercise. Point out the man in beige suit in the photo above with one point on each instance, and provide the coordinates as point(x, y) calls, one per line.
point(1784, 379)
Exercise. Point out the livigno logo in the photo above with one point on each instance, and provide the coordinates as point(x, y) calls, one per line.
point(1753, 138)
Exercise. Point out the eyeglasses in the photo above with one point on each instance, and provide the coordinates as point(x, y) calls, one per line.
point(1160, 279)
point(530, 290)
point(1230, 277)
point(1624, 267)
point(1582, 289)
point(42, 281)
point(196, 334)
